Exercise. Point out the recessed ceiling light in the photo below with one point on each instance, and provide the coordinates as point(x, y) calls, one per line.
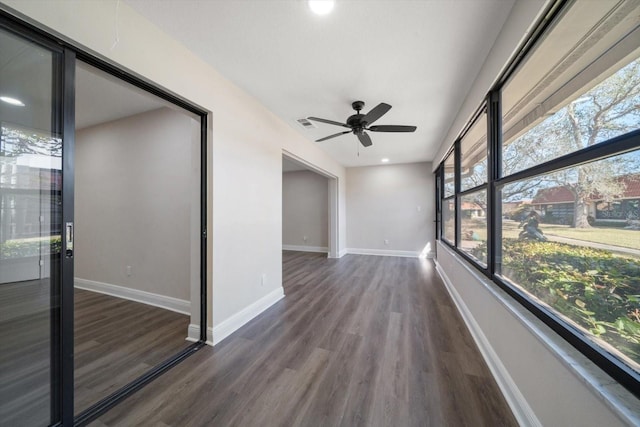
point(385, 160)
point(321, 7)
point(12, 101)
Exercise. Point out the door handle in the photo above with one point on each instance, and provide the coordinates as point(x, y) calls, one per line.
point(69, 239)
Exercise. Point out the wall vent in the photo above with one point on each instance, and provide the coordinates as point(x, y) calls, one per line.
point(306, 124)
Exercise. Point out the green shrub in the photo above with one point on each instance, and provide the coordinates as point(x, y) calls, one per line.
point(30, 247)
point(595, 289)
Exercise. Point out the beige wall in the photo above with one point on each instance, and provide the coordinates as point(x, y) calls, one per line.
point(133, 202)
point(393, 203)
point(305, 207)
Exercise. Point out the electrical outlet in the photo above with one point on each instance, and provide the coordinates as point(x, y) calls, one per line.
point(263, 279)
point(386, 241)
point(128, 271)
point(304, 238)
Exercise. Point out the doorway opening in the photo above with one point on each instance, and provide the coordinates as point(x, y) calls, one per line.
point(309, 207)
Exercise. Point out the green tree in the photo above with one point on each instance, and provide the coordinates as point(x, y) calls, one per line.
point(609, 109)
point(16, 142)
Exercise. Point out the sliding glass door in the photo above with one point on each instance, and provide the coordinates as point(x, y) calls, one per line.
point(38, 163)
point(33, 230)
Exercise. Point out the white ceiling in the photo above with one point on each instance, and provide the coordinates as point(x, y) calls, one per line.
point(101, 98)
point(419, 56)
point(26, 74)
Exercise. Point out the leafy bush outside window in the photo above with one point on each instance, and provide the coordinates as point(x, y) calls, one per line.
point(23, 248)
point(595, 290)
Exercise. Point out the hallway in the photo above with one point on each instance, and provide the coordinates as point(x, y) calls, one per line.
point(361, 340)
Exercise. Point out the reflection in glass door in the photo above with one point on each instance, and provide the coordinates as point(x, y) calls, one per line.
point(30, 231)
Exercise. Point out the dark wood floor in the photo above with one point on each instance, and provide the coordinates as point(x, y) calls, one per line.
point(117, 340)
point(25, 353)
point(359, 341)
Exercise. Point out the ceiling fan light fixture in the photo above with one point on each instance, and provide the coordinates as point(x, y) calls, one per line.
point(321, 7)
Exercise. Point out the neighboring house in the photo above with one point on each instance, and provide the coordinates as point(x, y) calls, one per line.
point(28, 213)
point(24, 207)
point(556, 204)
point(472, 210)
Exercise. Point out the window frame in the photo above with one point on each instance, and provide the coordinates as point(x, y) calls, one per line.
point(446, 199)
point(458, 194)
point(492, 104)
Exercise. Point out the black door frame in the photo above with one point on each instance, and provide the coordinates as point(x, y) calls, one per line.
point(66, 254)
point(62, 313)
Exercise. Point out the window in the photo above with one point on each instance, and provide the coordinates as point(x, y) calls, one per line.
point(578, 88)
point(449, 201)
point(553, 216)
point(473, 229)
point(473, 198)
point(473, 155)
point(449, 220)
point(588, 276)
point(608, 110)
point(449, 182)
point(628, 209)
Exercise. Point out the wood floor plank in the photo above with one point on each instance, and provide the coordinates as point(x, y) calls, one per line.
point(358, 341)
point(25, 352)
point(117, 340)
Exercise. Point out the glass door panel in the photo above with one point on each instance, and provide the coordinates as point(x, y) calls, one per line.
point(30, 230)
point(136, 188)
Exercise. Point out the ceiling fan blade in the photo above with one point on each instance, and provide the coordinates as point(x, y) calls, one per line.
point(330, 122)
point(378, 111)
point(392, 128)
point(332, 136)
point(364, 139)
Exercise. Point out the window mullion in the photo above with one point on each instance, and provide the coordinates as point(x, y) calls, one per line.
point(494, 163)
point(457, 181)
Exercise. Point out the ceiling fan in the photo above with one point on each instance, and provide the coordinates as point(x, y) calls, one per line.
point(358, 123)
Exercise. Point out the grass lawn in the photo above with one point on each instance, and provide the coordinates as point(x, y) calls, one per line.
point(611, 236)
point(604, 235)
point(479, 226)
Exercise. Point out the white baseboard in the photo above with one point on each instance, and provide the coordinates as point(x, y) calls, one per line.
point(383, 252)
point(235, 322)
point(320, 249)
point(168, 303)
point(516, 401)
point(193, 334)
point(359, 251)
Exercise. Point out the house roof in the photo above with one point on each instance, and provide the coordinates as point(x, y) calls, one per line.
point(467, 206)
point(553, 195)
point(563, 195)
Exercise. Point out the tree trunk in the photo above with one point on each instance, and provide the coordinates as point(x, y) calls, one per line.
point(580, 213)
